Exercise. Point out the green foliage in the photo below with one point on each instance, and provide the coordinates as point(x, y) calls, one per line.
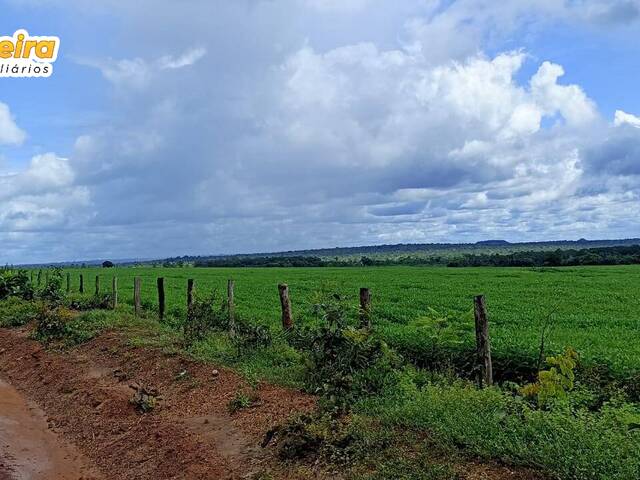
point(554, 384)
point(241, 401)
point(15, 312)
point(15, 283)
point(203, 317)
point(52, 322)
point(85, 303)
point(489, 423)
point(343, 362)
point(52, 291)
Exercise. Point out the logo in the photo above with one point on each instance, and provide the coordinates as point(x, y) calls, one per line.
point(23, 55)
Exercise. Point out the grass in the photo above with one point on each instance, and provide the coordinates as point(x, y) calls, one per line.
point(425, 314)
point(596, 310)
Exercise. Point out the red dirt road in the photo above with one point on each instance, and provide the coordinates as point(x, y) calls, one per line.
point(84, 393)
point(29, 450)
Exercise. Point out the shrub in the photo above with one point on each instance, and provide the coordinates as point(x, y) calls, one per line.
point(344, 363)
point(202, 317)
point(15, 283)
point(52, 291)
point(52, 322)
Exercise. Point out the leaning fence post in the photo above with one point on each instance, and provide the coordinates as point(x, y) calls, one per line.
point(230, 305)
point(97, 285)
point(160, 298)
point(39, 277)
point(68, 282)
point(365, 307)
point(483, 342)
point(114, 292)
point(81, 289)
point(137, 303)
point(189, 294)
point(287, 321)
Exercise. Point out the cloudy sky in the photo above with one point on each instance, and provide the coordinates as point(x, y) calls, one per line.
point(225, 126)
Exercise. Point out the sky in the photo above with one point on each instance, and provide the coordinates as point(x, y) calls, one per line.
point(233, 126)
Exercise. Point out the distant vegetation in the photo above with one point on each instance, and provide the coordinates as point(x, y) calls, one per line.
point(530, 258)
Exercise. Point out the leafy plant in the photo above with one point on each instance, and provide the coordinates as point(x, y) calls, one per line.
point(15, 283)
point(202, 317)
point(52, 322)
point(240, 401)
point(554, 383)
point(344, 363)
point(52, 290)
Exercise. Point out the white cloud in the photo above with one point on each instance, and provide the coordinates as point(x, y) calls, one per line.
point(186, 59)
point(42, 196)
point(308, 123)
point(137, 72)
point(10, 133)
point(623, 118)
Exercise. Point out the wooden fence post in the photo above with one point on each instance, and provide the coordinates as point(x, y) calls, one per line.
point(231, 305)
point(483, 342)
point(189, 294)
point(365, 307)
point(97, 285)
point(39, 277)
point(160, 298)
point(287, 321)
point(68, 282)
point(81, 289)
point(114, 292)
point(137, 302)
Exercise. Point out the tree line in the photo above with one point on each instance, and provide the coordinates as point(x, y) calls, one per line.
point(620, 255)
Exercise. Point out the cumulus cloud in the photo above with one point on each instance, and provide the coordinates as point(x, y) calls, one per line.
point(41, 197)
point(10, 133)
point(307, 123)
point(623, 118)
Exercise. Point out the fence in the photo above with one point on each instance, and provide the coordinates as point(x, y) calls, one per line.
point(483, 340)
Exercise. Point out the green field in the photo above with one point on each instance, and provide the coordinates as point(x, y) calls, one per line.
point(419, 409)
point(596, 310)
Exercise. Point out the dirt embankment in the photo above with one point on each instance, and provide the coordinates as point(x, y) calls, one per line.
point(85, 396)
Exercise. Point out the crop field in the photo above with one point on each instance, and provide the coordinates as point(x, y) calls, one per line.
point(595, 310)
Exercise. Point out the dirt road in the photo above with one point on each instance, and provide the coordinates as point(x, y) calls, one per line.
point(29, 450)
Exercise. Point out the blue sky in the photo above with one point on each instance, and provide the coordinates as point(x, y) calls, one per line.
point(250, 125)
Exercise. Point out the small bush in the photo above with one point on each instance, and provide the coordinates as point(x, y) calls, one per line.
point(52, 322)
point(202, 317)
point(52, 291)
point(344, 363)
point(15, 283)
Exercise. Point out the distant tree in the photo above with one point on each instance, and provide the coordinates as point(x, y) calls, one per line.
point(366, 261)
point(107, 264)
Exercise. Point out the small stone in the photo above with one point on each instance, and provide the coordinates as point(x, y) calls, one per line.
point(215, 373)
